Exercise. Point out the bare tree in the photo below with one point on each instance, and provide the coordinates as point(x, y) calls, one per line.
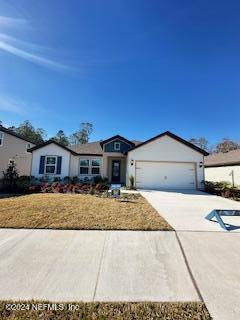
point(227, 145)
point(200, 142)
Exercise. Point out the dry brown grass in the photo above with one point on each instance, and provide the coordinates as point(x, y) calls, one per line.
point(112, 311)
point(64, 211)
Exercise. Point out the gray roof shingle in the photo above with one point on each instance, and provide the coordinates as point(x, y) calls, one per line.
point(88, 148)
point(221, 159)
point(92, 147)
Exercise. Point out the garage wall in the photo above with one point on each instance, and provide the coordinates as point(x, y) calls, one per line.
point(51, 150)
point(166, 149)
point(225, 173)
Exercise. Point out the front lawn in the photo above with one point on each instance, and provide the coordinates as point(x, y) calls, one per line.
point(109, 311)
point(85, 212)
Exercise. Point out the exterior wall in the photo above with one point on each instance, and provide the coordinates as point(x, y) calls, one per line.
point(109, 147)
point(51, 150)
point(226, 173)
point(75, 166)
point(166, 149)
point(16, 149)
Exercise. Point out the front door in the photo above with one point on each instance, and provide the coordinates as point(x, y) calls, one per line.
point(116, 170)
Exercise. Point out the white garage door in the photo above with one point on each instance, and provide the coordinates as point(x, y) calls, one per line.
point(165, 175)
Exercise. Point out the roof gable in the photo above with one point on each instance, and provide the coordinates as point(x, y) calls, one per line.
point(173, 136)
point(14, 134)
point(65, 148)
point(46, 143)
point(115, 138)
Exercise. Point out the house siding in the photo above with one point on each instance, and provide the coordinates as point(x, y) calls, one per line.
point(16, 149)
point(226, 173)
point(51, 150)
point(109, 147)
point(166, 148)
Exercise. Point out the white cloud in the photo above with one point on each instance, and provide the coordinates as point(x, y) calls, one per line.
point(5, 46)
point(6, 22)
point(24, 49)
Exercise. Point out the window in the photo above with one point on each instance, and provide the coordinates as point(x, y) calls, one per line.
point(50, 165)
point(84, 166)
point(90, 167)
point(96, 166)
point(28, 146)
point(11, 162)
point(1, 139)
point(117, 146)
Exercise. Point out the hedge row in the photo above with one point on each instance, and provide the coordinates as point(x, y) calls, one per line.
point(223, 189)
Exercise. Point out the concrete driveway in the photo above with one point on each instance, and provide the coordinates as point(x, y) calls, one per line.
point(212, 254)
point(186, 210)
point(93, 266)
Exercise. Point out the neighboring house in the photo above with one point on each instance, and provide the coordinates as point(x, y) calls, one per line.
point(163, 162)
point(13, 147)
point(223, 167)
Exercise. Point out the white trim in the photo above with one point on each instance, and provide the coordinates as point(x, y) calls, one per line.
point(81, 166)
point(90, 166)
point(45, 165)
point(99, 166)
point(1, 139)
point(115, 144)
point(28, 144)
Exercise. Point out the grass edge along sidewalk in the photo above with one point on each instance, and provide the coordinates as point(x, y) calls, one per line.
point(103, 310)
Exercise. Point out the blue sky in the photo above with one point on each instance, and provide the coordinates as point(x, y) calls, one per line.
point(134, 68)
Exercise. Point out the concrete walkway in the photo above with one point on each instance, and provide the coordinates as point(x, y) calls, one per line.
point(93, 266)
point(213, 254)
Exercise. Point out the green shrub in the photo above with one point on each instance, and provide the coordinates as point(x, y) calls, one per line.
point(75, 179)
point(23, 184)
point(10, 178)
point(222, 188)
point(97, 179)
point(131, 180)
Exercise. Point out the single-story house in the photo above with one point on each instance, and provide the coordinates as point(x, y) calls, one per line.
point(13, 148)
point(223, 167)
point(162, 162)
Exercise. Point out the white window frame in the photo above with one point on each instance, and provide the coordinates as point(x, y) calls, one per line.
point(11, 162)
point(117, 144)
point(1, 138)
point(46, 164)
point(99, 167)
point(81, 166)
point(90, 166)
point(28, 146)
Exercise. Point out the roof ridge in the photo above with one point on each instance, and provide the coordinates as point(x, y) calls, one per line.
point(13, 133)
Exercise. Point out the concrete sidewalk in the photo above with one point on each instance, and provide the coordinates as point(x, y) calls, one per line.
point(186, 210)
point(93, 266)
point(212, 253)
point(214, 259)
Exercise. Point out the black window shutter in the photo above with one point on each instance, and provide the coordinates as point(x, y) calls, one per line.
point(59, 165)
point(41, 165)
